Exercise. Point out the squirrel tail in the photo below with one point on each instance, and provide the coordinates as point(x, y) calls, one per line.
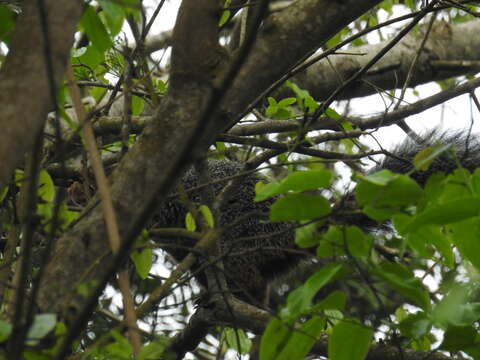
point(466, 154)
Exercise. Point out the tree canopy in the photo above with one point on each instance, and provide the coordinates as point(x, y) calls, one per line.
point(102, 114)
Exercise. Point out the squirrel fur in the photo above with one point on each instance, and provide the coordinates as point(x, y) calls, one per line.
point(254, 251)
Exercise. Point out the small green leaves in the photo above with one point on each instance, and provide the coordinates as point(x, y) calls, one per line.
point(205, 211)
point(349, 341)
point(281, 109)
point(304, 100)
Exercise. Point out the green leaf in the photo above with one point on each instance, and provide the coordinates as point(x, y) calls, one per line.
point(403, 280)
point(416, 325)
point(225, 14)
point(30, 355)
point(154, 350)
point(95, 29)
point(42, 325)
point(207, 215)
point(190, 223)
point(447, 213)
point(310, 104)
point(224, 18)
point(331, 113)
point(300, 299)
point(334, 301)
point(381, 178)
point(385, 194)
point(74, 53)
point(458, 338)
point(287, 102)
point(297, 182)
point(465, 236)
point(114, 15)
point(274, 339)
point(422, 239)
point(399, 190)
point(299, 207)
point(307, 235)
point(233, 336)
point(7, 23)
point(46, 188)
point(91, 58)
point(96, 32)
point(332, 243)
point(137, 105)
point(5, 330)
point(120, 349)
point(143, 261)
point(300, 343)
point(349, 341)
point(300, 93)
point(3, 193)
point(455, 309)
point(425, 157)
point(358, 243)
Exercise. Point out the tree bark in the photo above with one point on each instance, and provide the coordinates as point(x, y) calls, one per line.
point(450, 50)
point(25, 81)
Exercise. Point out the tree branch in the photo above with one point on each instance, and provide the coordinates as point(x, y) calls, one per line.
point(25, 100)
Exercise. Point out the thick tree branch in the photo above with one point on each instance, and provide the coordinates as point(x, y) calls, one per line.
point(287, 37)
point(26, 99)
point(447, 43)
point(145, 169)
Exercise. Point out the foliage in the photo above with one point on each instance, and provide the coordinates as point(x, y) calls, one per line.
point(408, 270)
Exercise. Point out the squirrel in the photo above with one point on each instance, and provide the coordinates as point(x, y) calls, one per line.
point(254, 251)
